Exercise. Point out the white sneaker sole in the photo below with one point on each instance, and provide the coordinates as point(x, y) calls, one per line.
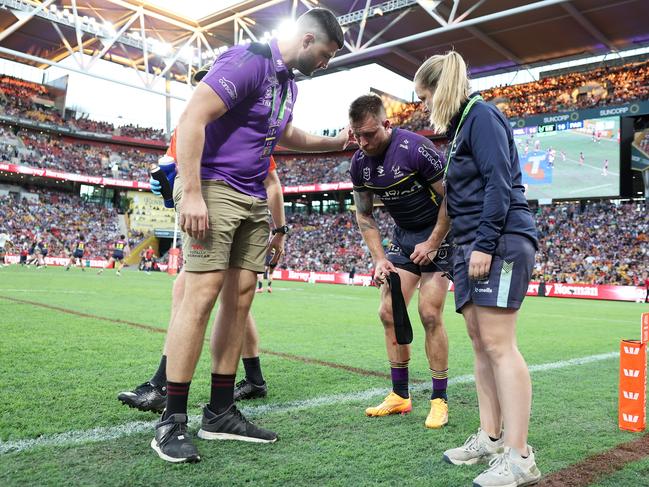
point(471, 461)
point(515, 484)
point(156, 448)
point(207, 435)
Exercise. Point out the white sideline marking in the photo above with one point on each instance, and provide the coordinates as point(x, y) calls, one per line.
point(115, 432)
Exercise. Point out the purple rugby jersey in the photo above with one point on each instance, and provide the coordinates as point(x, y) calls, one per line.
point(259, 91)
point(402, 178)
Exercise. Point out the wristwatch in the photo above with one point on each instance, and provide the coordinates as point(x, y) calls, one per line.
point(283, 229)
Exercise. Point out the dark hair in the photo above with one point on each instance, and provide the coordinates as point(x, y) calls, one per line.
point(326, 22)
point(122, 237)
point(366, 105)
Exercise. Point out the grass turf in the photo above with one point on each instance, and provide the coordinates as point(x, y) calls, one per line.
point(61, 373)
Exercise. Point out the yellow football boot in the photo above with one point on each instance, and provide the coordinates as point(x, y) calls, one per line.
point(392, 404)
point(438, 415)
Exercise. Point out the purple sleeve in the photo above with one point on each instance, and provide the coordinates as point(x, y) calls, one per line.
point(430, 161)
point(236, 74)
point(355, 176)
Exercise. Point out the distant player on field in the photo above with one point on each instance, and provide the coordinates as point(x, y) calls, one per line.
point(77, 255)
point(581, 158)
point(605, 168)
point(120, 246)
point(405, 171)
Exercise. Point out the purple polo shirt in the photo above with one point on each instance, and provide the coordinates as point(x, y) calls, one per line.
point(259, 91)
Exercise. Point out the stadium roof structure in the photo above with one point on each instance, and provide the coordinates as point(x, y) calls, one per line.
point(492, 35)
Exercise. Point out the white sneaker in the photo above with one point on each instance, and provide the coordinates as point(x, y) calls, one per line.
point(509, 469)
point(478, 448)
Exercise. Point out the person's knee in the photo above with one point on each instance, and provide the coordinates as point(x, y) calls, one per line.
point(494, 347)
point(431, 318)
point(385, 315)
point(474, 334)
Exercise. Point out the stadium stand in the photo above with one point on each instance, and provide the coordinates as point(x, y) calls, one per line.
point(59, 218)
point(595, 88)
point(597, 243)
point(52, 151)
point(34, 101)
point(591, 243)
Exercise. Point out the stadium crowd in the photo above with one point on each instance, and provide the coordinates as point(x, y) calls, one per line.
point(59, 219)
point(595, 88)
point(35, 101)
point(51, 151)
point(599, 243)
point(595, 243)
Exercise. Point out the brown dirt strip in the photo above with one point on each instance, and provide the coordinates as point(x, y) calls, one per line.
point(595, 467)
point(287, 356)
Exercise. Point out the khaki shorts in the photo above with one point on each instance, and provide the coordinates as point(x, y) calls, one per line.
point(238, 233)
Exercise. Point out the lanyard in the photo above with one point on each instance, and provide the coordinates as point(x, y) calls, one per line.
point(282, 105)
point(466, 111)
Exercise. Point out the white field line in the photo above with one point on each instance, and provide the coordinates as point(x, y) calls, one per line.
point(94, 435)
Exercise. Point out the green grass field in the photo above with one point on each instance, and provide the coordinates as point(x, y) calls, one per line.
point(569, 178)
point(60, 422)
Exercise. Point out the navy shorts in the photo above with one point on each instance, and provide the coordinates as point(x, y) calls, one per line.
point(403, 245)
point(509, 276)
point(44, 253)
point(78, 254)
point(118, 255)
point(268, 260)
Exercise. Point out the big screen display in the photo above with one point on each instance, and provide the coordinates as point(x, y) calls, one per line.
point(572, 159)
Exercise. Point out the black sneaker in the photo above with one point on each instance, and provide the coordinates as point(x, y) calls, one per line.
point(145, 397)
point(232, 425)
point(172, 442)
point(245, 390)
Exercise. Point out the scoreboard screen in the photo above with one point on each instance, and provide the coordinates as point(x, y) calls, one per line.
point(571, 159)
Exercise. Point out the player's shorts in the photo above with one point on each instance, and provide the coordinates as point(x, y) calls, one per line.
point(268, 260)
point(23, 259)
point(44, 253)
point(509, 276)
point(238, 232)
point(403, 245)
point(117, 255)
point(78, 254)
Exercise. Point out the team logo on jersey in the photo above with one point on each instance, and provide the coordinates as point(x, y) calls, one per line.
point(404, 144)
point(380, 171)
point(367, 173)
point(396, 170)
point(229, 87)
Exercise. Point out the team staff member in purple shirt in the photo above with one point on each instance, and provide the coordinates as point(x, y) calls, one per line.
point(238, 113)
point(404, 170)
point(494, 230)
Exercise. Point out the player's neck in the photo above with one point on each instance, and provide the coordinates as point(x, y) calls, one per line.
point(288, 49)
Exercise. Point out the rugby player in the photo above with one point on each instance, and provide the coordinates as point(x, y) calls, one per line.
point(404, 170)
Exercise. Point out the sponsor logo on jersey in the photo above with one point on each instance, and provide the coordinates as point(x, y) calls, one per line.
point(229, 87)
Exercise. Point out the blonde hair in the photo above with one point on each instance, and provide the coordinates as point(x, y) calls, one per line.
point(445, 75)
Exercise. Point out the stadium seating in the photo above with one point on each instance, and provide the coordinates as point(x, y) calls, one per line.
point(59, 218)
point(596, 243)
point(51, 151)
point(599, 243)
point(598, 87)
point(32, 100)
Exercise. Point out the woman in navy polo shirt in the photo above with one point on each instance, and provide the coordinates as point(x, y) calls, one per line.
point(494, 230)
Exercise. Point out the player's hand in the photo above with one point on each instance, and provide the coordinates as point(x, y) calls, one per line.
point(345, 137)
point(193, 217)
point(276, 243)
point(424, 252)
point(382, 271)
point(479, 265)
point(156, 187)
